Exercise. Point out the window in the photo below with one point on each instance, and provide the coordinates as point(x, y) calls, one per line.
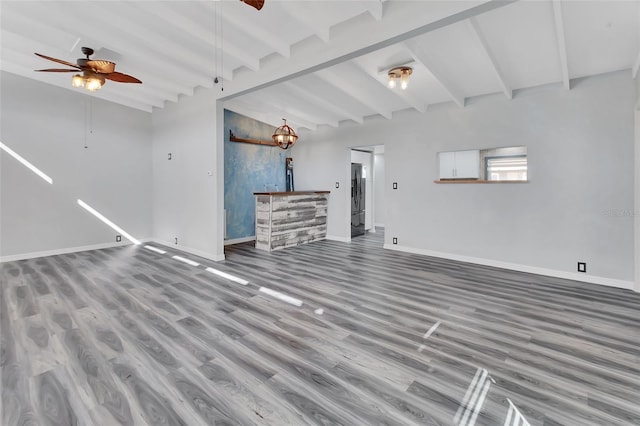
point(506, 168)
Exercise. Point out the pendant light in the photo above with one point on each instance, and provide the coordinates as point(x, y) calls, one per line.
point(285, 136)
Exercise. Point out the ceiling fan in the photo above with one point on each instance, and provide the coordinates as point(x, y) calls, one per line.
point(254, 3)
point(95, 72)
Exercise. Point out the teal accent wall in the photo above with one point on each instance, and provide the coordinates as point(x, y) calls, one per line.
point(248, 168)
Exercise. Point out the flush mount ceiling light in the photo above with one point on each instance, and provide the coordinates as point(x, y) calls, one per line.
point(285, 136)
point(399, 73)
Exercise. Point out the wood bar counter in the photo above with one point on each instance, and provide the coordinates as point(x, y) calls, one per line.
point(286, 219)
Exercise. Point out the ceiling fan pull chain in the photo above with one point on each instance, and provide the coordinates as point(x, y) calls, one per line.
point(88, 121)
point(86, 107)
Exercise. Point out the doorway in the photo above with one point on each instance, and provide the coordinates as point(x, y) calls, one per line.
point(367, 189)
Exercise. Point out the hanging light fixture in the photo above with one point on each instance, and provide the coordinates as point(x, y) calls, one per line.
point(91, 81)
point(399, 73)
point(285, 136)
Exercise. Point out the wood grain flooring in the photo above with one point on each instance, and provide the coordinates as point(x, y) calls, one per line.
point(130, 336)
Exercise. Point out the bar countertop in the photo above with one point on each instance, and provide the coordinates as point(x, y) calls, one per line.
point(292, 193)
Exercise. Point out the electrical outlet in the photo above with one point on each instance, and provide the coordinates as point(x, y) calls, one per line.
point(582, 266)
point(395, 240)
point(395, 185)
point(118, 238)
point(176, 240)
point(337, 184)
point(169, 156)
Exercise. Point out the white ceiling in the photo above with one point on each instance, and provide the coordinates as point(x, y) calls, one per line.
point(323, 62)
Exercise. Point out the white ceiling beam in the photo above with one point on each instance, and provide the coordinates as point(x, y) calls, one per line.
point(294, 106)
point(155, 41)
point(423, 58)
point(63, 11)
point(298, 13)
point(258, 31)
point(356, 89)
point(16, 23)
point(166, 11)
point(561, 41)
point(322, 102)
point(374, 7)
point(402, 21)
point(262, 112)
point(475, 29)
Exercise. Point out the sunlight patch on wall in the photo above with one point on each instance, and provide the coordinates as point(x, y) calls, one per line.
point(107, 221)
point(25, 163)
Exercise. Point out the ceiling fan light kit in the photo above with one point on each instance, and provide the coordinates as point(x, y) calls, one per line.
point(399, 74)
point(91, 81)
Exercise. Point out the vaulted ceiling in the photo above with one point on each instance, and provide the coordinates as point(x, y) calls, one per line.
point(323, 62)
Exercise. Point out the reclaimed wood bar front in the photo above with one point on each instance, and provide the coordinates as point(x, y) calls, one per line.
point(286, 219)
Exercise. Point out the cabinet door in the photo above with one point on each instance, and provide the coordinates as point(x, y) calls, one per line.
point(467, 164)
point(447, 164)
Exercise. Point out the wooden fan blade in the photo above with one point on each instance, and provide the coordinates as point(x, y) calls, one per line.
point(121, 78)
point(56, 70)
point(254, 3)
point(60, 61)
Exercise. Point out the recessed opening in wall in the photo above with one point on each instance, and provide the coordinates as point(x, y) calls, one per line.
point(491, 165)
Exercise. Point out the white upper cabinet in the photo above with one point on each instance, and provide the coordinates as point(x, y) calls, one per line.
point(459, 164)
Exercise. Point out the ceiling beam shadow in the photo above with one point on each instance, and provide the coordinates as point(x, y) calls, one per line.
point(421, 57)
point(562, 44)
point(475, 29)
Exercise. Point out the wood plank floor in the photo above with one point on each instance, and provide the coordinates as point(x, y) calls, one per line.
point(130, 336)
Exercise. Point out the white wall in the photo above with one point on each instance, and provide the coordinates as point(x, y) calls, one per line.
point(580, 148)
point(320, 163)
point(378, 188)
point(46, 125)
point(187, 201)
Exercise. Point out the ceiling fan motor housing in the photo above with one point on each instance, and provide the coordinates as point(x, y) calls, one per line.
point(87, 51)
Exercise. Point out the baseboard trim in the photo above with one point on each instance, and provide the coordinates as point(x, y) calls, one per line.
point(33, 255)
point(609, 282)
point(200, 253)
point(239, 240)
point(336, 238)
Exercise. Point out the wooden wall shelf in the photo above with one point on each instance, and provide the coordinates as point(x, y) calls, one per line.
point(233, 138)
